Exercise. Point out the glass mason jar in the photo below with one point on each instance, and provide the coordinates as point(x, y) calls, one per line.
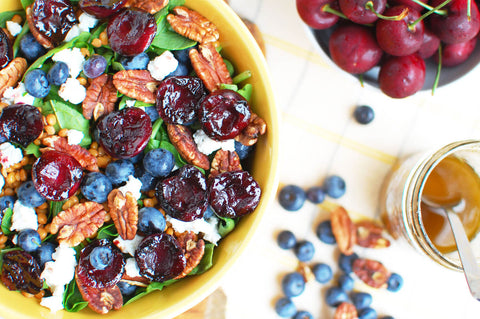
point(400, 198)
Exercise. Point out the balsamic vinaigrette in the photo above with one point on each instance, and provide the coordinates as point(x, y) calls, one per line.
point(451, 180)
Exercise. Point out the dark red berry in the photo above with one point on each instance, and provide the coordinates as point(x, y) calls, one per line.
point(21, 124)
point(6, 52)
point(100, 278)
point(430, 44)
point(131, 31)
point(313, 13)
point(183, 195)
point(409, 3)
point(124, 133)
point(160, 257)
point(20, 271)
point(101, 8)
point(224, 114)
point(53, 19)
point(234, 194)
point(456, 53)
point(358, 12)
point(178, 99)
point(56, 175)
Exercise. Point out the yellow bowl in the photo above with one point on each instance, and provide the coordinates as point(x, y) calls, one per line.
point(240, 48)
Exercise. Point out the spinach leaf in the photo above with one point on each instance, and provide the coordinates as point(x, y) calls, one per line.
point(26, 3)
point(7, 16)
point(108, 231)
point(70, 116)
point(246, 91)
point(225, 226)
point(55, 208)
point(207, 260)
point(16, 44)
point(145, 291)
point(33, 149)
point(72, 299)
point(7, 221)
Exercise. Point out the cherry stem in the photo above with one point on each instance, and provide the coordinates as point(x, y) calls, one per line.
point(469, 10)
point(439, 68)
point(426, 14)
point(426, 6)
point(402, 15)
point(329, 9)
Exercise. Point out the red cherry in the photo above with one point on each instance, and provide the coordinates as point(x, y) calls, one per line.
point(356, 10)
point(409, 3)
point(456, 53)
point(313, 14)
point(430, 44)
point(6, 53)
point(101, 8)
point(402, 76)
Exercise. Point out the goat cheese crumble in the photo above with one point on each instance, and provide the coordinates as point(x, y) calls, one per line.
point(131, 268)
point(128, 246)
point(207, 146)
point(17, 95)
point(10, 155)
point(74, 137)
point(23, 217)
point(162, 65)
point(13, 28)
point(208, 229)
point(72, 91)
point(73, 58)
point(133, 186)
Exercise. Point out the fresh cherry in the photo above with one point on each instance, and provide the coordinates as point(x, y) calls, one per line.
point(101, 8)
point(430, 44)
point(409, 3)
point(456, 53)
point(21, 124)
point(403, 76)
point(359, 11)
point(314, 14)
point(6, 52)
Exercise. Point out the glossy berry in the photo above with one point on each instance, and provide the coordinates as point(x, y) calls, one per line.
point(367, 313)
point(304, 250)
point(36, 83)
point(150, 221)
point(335, 296)
point(345, 262)
point(101, 257)
point(119, 171)
point(322, 272)
point(364, 114)
point(152, 113)
point(6, 53)
point(96, 187)
point(293, 284)
point(334, 186)
point(21, 124)
point(285, 308)
point(159, 162)
point(313, 14)
point(126, 289)
point(6, 201)
point(44, 253)
point(286, 239)
point(358, 12)
point(324, 232)
point(243, 151)
point(315, 194)
point(345, 282)
point(303, 315)
point(58, 73)
point(148, 181)
point(94, 66)
point(29, 240)
point(28, 195)
point(395, 282)
point(101, 8)
point(136, 62)
point(292, 197)
point(361, 300)
point(208, 213)
point(30, 48)
point(20, 271)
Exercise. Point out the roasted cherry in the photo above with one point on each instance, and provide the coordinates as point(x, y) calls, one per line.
point(224, 114)
point(160, 257)
point(6, 52)
point(131, 31)
point(100, 277)
point(124, 133)
point(20, 271)
point(183, 195)
point(56, 175)
point(53, 19)
point(21, 124)
point(178, 99)
point(234, 194)
point(101, 8)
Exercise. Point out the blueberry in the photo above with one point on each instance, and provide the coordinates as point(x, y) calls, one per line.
point(137, 62)
point(316, 194)
point(30, 47)
point(151, 221)
point(126, 289)
point(6, 202)
point(36, 83)
point(345, 282)
point(94, 66)
point(182, 55)
point(293, 284)
point(100, 257)
point(181, 70)
point(304, 250)
point(303, 315)
point(324, 232)
point(292, 197)
point(345, 262)
point(159, 162)
point(28, 195)
point(29, 240)
point(58, 73)
point(119, 171)
point(334, 186)
point(361, 300)
point(96, 187)
point(137, 158)
point(243, 151)
point(44, 253)
point(367, 313)
point(286, 239)
point(285, 307)
point(322, 272)
point(335, 296)
point(208, 212)
point(363, 114)
point(395, 282)
point(152, 113)
point(148, 181)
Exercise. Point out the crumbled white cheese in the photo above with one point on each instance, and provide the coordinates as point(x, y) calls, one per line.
point(87, 22)
point(13, 28)
point(207, 146)
point(72, 33)
point(208, 229)
point(72, 91)
point(131, 103)
point(73, 58)
point(23, 217)
point(17, 95)
point(131, 268)
point(162, 65)
point(74, 137)
point(57, 274)
point(10, 155)
point(128, 246)
point(133, 186)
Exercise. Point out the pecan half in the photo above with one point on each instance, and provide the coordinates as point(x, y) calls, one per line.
point(370, 235)
point(256, 127)
point(193, 25)
point(124, 213)
point(371, 272)
point(78, 222)
point(150, 6)
point(306, 271)
point(225, 161)
point(84, 158)
point(209, 66)
point(193, 249)
point(43, 40)
point(100, 300)
point(137, 84)
point(344, 230)
point(101, 97)
point(12, 73)
point(182, 139)
point(346, 310)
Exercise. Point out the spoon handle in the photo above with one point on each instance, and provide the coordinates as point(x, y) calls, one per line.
point(469, 263)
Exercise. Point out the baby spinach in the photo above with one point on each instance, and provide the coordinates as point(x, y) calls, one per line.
point(109, 232)
point(7, 221)
point(225, 226)
point(26, 3)
point(207, 260)
point(72, 299)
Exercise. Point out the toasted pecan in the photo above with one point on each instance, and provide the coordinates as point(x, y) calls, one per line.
point(12, 73)
point(344, 230)
point(124, 213)
point(182, 139)
point(209, 66)
point(225, 161)
point(100, 98)
point(84, 158)
point(137, 84)
point(255, 128)
point(193, 25)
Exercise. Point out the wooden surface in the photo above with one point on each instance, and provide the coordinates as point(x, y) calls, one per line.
point(213, 307)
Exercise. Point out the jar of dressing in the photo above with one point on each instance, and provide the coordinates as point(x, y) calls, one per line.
point(446, 175)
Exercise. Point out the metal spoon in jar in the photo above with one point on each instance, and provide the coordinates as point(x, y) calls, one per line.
point(467, 258)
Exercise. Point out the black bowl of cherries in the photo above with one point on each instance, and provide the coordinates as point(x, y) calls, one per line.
point(399, 46)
